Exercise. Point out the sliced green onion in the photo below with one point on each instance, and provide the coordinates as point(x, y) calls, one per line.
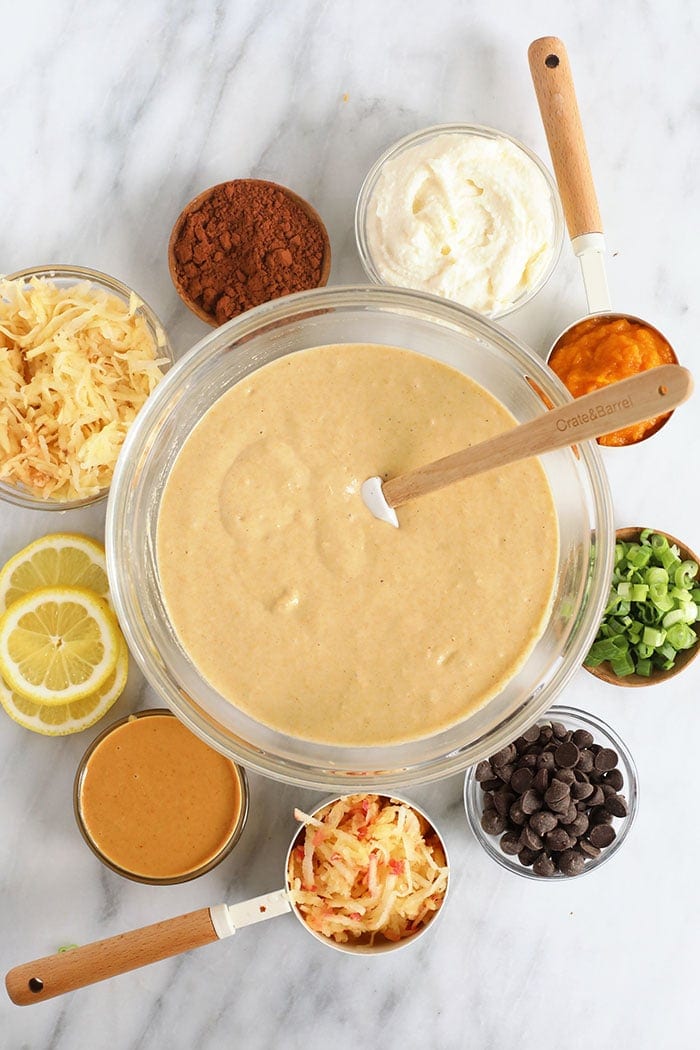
point(685, 573)
point(651, 606)
point(680, 636)
point(652, 636)
point(622, 666)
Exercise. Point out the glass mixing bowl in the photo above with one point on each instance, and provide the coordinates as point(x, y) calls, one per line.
point(394, 317)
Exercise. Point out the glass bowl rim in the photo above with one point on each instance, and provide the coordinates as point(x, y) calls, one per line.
point(489, 843)
point(479, 131)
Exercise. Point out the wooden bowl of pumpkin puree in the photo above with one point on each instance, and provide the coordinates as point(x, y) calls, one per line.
point(155, 803)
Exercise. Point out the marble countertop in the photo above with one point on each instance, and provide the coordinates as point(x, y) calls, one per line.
point(114, 116)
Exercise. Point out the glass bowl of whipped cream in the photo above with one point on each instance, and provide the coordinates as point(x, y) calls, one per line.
point(464, 212)
point(287, 626)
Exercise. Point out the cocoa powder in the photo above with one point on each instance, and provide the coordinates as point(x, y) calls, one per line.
point(243, 243)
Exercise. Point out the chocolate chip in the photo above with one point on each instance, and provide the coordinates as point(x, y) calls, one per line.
point(505, 772)
point(585, 761)
point(616, 804)
point(546, 761)
point(601, 835)
point(491, 785)
point(540, 781)
point(488, 800)
point(545, 735)
point(502, 757)
point(582, 738)
point(596, 797)
point(510, 843)
point(600, 815)
point(588, 849)
point(503, 800)
point(529, 839)
point(559, 839)
point(528, 856)
point(556, 791)
point(521, 780)
point(492, 822)
point(542, 822)
point(484, 771)
point(528, 762)
point(532, 734)
point(581, 789)
point(561, 806)
point(517, 814)
point(578, 826)
point(569, 815)
point(544, 865)
point(559, 730)
point(606, 759)
point(571, 862)
point(614, 778)
point(565, 775)
point(530, 801)
point(567, 755)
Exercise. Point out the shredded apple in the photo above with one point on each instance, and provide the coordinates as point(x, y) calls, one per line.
point(367, 868)
point(603, 350)
point(76, 365)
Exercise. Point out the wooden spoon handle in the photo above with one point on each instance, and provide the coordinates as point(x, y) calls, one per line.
point(554, 87)
point(632, 400)
point(33, 982)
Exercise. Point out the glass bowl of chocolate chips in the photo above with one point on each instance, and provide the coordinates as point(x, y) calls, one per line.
point(558, 801)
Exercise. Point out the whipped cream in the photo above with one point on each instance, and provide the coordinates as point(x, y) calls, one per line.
point(465, 217)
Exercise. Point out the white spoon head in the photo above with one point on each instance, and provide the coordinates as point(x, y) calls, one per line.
point(373, 497)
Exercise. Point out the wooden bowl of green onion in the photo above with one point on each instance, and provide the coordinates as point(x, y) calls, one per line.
point(651, 625)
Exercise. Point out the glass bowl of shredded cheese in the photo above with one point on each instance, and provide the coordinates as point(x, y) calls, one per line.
point(367, 873)
point(79, 354)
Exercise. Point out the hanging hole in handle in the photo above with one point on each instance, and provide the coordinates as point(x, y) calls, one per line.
point(551, 61)
point(663, 390)
point(35, 984)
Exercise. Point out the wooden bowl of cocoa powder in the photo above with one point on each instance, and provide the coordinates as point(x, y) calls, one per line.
point(242, 243)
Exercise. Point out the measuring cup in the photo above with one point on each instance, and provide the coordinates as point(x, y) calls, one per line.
point(554, 88)
point(41, 979)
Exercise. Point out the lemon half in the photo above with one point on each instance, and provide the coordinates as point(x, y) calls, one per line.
point(58, 645)
point(61, 559)
point(62, 719)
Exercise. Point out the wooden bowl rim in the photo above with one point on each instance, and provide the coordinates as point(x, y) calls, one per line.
point(634, 681)
point(197, 202)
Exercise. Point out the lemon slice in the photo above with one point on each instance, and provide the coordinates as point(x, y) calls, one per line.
point(62, 719)
point(58, 645)
point(61, 559)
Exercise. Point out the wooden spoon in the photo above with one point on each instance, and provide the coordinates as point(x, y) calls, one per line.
point(618, 405)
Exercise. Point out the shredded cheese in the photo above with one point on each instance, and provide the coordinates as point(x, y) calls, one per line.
point(76, 365)
point(367, 869)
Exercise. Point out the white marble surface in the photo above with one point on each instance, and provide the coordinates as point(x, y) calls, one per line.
point(114, 115)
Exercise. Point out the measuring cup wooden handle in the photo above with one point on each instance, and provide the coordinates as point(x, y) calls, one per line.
point(554, 87)
point(33, 982)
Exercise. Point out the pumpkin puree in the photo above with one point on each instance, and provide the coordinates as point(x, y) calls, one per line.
point(603, 350)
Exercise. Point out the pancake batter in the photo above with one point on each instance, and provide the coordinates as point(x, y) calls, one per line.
point(304, 610)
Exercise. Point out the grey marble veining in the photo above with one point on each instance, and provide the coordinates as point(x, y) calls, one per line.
point(114, 115)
